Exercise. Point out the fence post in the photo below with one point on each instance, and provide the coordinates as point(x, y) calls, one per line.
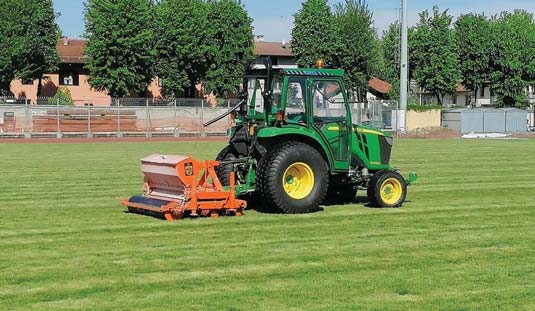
point(148, 133)
point(397, 119)
point(118, 104)
point(360, 112)
point(177, 131)
point(376, 114)
point(89, 133)
point(58, 127)
point(229, 124)
point(203, 132)
point(27, 129)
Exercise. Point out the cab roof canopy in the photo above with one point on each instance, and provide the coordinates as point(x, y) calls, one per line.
point(257, 72)
point(313, 72)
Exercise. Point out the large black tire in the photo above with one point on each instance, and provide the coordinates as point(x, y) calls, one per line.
point(223, 170)
point(306, 192)
point(387, 189)
point(341, 193)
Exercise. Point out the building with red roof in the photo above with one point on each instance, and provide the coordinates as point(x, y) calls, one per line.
point(73, 75)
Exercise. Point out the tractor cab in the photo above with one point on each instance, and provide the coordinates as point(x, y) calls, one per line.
point(309, 102)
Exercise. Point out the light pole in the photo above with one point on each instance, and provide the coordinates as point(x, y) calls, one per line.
point(404, 68)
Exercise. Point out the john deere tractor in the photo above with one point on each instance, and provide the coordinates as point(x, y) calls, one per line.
point(295, 145)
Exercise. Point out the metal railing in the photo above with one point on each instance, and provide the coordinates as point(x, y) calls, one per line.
point(142, 117)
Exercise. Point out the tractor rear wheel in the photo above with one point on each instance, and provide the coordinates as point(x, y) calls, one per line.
point(293, 178)
point(387, 189)
point(223, 170)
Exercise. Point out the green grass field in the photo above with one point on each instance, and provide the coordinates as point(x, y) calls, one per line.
point(465, 240)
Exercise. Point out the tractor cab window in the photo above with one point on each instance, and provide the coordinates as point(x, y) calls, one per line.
point(277, 94)
point(295, 100)
point(328, 102)
point(256, 88)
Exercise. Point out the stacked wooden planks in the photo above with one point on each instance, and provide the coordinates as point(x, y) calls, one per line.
point(76, 121)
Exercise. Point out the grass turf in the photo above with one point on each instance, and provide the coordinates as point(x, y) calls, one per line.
point(464, 240)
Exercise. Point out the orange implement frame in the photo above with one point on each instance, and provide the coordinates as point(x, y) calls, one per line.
point(197, 192)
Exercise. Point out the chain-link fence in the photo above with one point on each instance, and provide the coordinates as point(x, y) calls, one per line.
point(131, 117)
point(377, 113)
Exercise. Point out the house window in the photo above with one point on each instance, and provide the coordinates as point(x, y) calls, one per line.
point(27, 81)
point(68, 78)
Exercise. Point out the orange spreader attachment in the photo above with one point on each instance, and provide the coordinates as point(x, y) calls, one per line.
point(180, 186)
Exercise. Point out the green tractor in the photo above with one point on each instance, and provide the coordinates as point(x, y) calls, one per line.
point(295, 145)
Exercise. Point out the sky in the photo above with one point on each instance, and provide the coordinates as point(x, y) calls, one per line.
point(274, 18)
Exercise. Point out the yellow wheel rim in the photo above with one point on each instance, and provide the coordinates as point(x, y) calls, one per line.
point(391, 191)
point(298, 180)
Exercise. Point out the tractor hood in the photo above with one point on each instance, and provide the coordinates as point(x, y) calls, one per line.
point(374, 143)
point(370, 130)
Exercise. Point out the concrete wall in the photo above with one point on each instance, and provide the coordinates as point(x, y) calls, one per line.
point(423, 119)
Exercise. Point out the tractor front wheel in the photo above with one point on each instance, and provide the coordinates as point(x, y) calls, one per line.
point(387, 189)
point(293, 178)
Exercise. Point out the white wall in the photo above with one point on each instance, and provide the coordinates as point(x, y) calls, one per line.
point(484, 100)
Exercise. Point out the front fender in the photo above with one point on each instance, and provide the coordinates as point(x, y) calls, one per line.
point(298, 133)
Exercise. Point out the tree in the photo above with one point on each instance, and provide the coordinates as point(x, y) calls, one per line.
point(120, 51)
point(513, 60)
point(475, 46)
point(62, 97)
point(42, 33)
point(359, 48)
point(9, 43)
point(434, 54)
point(181, 47)
point(230, 37)
point(391, 52)
point(28, 37)
point(314, 35)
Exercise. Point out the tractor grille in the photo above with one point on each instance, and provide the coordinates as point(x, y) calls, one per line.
point(385, 143)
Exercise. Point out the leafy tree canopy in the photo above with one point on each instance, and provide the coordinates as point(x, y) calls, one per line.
point(181, 44)
point(434, 54)
point(390, 48)
point(230, 37)
point(28, 37)
point(62, 97)
point(314, 35)
point(475, 45)
point(120, 52)
point(359, 49)
point(513, 60)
